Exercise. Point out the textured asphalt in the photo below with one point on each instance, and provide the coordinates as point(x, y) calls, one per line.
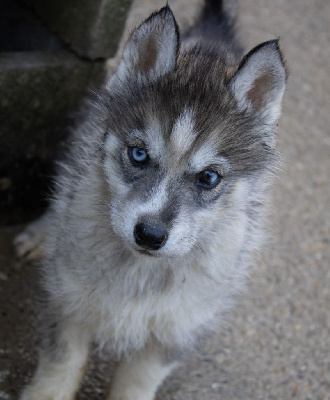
point(276, 343)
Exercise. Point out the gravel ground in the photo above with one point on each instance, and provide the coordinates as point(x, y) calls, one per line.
point(276, 344)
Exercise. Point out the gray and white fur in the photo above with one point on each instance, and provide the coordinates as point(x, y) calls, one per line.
point(159, 204)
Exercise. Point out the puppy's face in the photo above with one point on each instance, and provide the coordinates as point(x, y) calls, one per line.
point(166, 187)
point(185, 141)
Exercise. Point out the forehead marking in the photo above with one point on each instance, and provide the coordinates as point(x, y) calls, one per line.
point(183, 134)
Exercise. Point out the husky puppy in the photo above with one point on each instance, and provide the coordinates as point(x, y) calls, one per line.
point(158, 205)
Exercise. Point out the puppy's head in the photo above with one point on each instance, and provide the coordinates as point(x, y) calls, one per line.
point(189, 140)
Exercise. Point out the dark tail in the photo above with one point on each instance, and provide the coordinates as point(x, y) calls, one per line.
point(219, 18)
point(217, 23)
point(213, 7)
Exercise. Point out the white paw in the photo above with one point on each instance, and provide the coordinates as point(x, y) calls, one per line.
point(131, 393)
point(28, 244)
point(44, 392)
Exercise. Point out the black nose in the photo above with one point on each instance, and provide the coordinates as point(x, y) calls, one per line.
point(148, 236)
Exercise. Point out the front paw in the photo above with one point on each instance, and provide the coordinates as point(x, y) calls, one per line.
point(39, 392)
point(28, 244)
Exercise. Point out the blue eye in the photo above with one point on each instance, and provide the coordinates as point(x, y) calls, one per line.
point(208, 179)
point(137, 155)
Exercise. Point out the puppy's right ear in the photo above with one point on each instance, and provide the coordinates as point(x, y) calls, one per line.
point(151, 50)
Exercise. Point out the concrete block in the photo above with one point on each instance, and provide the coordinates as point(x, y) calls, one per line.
point(92, 28)
point(39, 92)
point(41, 86)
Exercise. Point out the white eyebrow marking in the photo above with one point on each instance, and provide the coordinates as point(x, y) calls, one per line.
point(205, 156)
point(183, 134)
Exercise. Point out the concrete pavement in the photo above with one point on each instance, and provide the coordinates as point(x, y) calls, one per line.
point(276, 344)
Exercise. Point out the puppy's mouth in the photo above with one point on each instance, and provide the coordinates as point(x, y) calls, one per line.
point(148, 253)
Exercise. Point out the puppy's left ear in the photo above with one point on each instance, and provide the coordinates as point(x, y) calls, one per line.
point(258, 84)
point(151, 50)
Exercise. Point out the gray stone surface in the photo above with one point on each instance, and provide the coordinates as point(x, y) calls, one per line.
point(92, 28)
point(40, 92)
point(41, 85)
point(275, 345)
point(21, 30)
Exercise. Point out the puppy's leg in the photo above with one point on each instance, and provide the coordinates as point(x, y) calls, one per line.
point(61, 366)
point(139, 377)
point(29, 243)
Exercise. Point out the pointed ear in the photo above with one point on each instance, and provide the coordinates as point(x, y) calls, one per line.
point(258, 84)
point(151, 50)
